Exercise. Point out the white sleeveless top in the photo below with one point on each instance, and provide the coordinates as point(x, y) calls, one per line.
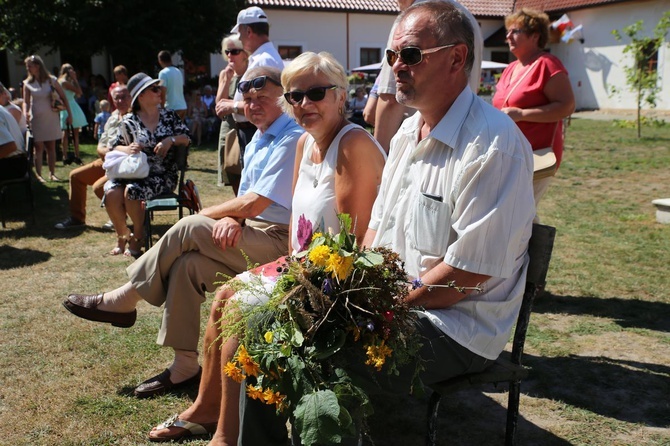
point(314, 195)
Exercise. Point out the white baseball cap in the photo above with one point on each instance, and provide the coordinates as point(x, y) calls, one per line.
point(253, 14)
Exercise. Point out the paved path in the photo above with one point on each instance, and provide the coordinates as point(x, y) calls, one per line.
point(611, 114)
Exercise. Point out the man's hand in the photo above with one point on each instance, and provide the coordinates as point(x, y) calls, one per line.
point(226, 233)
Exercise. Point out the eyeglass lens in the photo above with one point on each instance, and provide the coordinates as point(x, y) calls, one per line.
point(234, 52)
point(315, 94)
point(410, 55)
point(257, 84)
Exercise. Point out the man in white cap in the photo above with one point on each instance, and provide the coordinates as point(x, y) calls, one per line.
point(389, 114)
point(254, 30)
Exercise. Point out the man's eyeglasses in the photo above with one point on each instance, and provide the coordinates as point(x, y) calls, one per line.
point(234, 52)
point(315, 94)
point(411, 55)
point(257, 84)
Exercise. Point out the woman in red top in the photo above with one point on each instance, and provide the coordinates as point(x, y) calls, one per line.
point(534, 90)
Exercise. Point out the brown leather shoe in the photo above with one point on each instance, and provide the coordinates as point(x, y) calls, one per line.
point(86, 307)
point(159, 384)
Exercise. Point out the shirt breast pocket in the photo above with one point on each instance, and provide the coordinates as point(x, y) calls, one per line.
point(430, 225)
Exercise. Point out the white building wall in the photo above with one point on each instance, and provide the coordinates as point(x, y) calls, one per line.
point(597, 65)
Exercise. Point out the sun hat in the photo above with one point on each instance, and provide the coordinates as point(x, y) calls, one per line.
point(253, 14)
point(138, 83)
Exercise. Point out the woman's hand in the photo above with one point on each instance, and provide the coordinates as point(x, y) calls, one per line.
point(513, 112)
point(132, 149)
point(226, 233)
point(162, 147)
point(68, 120)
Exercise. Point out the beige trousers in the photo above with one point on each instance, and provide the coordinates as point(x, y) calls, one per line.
point(183, 265)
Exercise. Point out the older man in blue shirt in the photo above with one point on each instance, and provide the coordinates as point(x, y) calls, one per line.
point(183, 265)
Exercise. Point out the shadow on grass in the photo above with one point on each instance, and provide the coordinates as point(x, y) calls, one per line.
point(465, 418)
point(11, 257)
point(190, 391)
point(615, 388)
point(627, 313)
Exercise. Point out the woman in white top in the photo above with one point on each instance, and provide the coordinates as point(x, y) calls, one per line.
point(338, 169)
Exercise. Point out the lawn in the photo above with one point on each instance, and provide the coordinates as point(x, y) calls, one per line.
point(598, 345)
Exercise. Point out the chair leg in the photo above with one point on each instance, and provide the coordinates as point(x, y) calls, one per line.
point(433, 406)
point(147, 230)
point(512, 412)
point(2, 207)
point(29, 191)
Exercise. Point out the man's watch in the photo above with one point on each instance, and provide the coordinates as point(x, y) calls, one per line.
point(235, 109)
point(174, 141)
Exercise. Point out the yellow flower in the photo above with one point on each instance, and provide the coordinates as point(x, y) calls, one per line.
point(254, 392)
point(377, 355)
point(232, 371)
point(268, 337)
point(248, 364)
point(319, 255)
point(271, 397)
point(316, 235)
point(339, 266)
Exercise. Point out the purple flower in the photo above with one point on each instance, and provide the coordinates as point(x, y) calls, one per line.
point(327, 287)
point(416, 283)
point(304, 232)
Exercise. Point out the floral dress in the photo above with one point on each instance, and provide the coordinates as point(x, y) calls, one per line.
point(163, 172)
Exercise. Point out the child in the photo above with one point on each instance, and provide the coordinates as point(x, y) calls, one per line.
point(101, 118)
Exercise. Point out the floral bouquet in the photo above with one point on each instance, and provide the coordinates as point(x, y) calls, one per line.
point(336, 308)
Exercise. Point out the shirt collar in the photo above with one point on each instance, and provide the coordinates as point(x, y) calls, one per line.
point(275, 128)
point(447, 130)
point(262, 49)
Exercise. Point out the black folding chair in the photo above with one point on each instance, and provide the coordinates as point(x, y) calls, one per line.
point(504, 370)
point(25, 181)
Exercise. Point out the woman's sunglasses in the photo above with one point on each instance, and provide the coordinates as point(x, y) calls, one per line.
point(155, 88)
point(411, 55)
point(256, 83)
point(234, 52)
point(315, 94)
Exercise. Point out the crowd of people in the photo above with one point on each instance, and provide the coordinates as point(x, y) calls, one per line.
point(446, 182)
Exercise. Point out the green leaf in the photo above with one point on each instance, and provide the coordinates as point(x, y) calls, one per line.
point(316, 418)
point(329, 342)
point(369, 259)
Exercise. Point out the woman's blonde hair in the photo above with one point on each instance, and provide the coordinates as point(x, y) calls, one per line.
point(315, 64)
point(235, 40)
point(65, 72)
point(531, 21)
point(44, 74)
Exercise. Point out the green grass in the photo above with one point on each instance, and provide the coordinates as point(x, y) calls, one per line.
point(598, 344)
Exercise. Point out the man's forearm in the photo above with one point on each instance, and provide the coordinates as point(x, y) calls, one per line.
point(388, 118)
point(249, 205)
point(442, 297)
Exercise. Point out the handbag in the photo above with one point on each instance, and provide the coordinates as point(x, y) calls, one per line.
point(231, 154)
point(119, 165)
point(57, 103)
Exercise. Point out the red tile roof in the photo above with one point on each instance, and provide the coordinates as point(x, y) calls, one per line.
point(479, 8)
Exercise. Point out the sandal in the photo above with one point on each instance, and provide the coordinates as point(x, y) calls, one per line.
point(185, 429)
point(121, 241)
point(132, 240)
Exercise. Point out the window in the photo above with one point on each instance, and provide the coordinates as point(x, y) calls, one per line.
point(289, 52)
point(649, 58)
point(370, 56)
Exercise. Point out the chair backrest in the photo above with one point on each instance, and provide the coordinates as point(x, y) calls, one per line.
point(540, 247)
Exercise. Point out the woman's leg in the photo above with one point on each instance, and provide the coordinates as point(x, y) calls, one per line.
point(37, 158)
point(115, 207)
point(218, 395)
point(51, 159)
point(136, 213)
point(198, 130)
point(75, 136)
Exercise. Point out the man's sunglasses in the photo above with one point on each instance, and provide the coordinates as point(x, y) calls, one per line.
point(256, 83)
point(234, 52)
point(315, 94)
point(411, 55)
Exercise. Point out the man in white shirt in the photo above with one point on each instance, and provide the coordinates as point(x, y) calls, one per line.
point(388, 112)
point(456, 199)
point(13, 162)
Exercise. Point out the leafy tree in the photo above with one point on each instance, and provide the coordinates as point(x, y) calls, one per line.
point(131, 31)
point(640, 76)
